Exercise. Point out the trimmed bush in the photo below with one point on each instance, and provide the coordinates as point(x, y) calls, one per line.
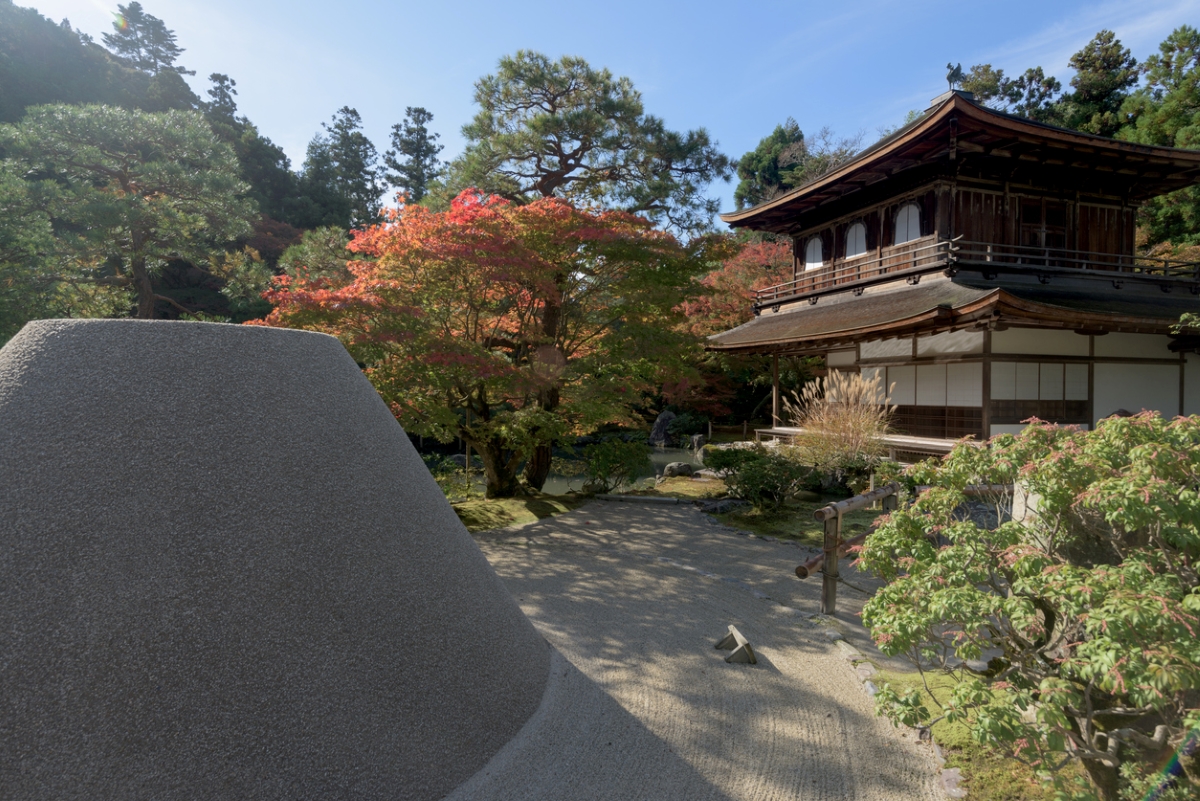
point(613, 462)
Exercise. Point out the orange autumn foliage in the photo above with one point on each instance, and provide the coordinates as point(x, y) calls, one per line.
point(541, 320)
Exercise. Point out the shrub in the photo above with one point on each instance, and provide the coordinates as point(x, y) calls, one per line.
point(687, 424)
point(768, 481)
point(763, 477)
point(1091, 604)
point(450, 477)
point(613, 462)
point(843, 415)
point(731, 459)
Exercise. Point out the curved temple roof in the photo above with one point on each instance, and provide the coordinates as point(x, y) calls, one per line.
point(957, 128)
point(943, 304)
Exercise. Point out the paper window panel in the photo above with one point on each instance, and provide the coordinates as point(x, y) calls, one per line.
point(964, 384)
point(905, 379)
point(1027, 377)
point(931, 385)
point(1051, 382)
point(1076, 381)
point(1004, 381)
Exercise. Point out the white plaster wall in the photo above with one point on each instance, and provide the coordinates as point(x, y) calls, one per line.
point(1040, 342)
point(886, 348)
point(950, 342)
point(840, 358)
point(1014, 428)
point(1134, 387)
point(964, 384)
point(1191, 385)
point(1145, 346)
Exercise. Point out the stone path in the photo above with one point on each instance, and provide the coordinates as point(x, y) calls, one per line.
point(633, 597)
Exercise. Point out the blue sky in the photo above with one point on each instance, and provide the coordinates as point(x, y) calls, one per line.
point(737, 69)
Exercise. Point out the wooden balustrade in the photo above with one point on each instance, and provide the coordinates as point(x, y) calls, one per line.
point(929, 254)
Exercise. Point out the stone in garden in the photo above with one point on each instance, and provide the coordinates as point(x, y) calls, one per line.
point(226, 573)
point(698, 441)
point(658, 434)
point(677, 469)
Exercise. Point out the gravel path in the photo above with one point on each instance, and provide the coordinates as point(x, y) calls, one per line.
point(641, 705)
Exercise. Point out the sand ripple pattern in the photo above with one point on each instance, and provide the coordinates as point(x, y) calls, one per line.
point(640, 705)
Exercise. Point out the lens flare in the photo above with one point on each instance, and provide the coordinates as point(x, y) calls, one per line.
point(1173, 768)
point(120, 23)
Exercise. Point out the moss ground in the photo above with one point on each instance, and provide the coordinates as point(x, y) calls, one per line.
point(987, 776)
point(794, 521)
point(481, 514)
point(684, 488)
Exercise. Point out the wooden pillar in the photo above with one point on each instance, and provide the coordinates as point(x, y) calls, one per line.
point(775, 390)
point(829, 570)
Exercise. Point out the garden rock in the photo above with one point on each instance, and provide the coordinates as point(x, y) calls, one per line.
point(658, 434)
point(720, 507)
point(675, 469)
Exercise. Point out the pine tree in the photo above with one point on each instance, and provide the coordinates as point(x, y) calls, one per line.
point(1104, 73)
point(143, 41)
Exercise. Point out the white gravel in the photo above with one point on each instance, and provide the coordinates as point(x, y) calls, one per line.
point(641, 705)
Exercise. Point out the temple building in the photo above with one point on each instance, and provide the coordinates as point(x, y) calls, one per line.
point(985, 265)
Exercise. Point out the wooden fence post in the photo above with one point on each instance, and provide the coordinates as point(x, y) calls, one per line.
point(829, 570)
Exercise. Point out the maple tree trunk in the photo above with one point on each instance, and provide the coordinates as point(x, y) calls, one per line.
point(537, 469)
point(500, 479)
point(1104, 778)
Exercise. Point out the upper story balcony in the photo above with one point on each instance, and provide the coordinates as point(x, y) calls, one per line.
point(931, 254)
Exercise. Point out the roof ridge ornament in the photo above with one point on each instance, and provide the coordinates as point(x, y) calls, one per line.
point(955, 75)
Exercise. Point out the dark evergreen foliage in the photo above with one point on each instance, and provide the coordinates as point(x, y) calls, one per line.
point(341, 184)
point(414, 155)
point(44, 62)
point(143, 41)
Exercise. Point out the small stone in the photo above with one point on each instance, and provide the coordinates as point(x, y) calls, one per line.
point(848, 650)
point(677, 469)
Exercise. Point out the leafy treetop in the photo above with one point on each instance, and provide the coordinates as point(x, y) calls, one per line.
point(1087, 603)
point(563, 129)
point(449, 314)
point(132, 190)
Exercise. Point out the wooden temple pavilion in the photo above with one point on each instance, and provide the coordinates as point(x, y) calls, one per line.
point(985, 264)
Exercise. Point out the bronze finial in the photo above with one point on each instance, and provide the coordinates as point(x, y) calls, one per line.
point(955, 75)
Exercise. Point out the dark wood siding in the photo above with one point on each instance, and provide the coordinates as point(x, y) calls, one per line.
point(1101, 230)
point(979, 216)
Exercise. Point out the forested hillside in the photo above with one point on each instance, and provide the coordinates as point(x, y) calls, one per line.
point(138, 67)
